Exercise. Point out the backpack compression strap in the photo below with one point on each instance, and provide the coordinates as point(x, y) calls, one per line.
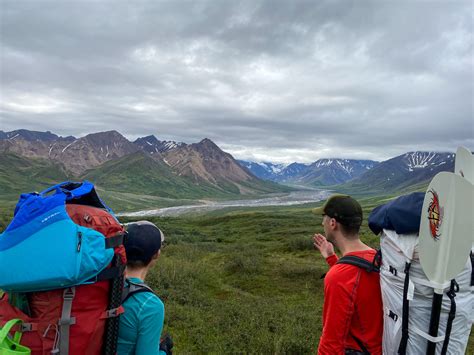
point(134, 288)
point(369, 266)
point(402, 348)
point(452, 314)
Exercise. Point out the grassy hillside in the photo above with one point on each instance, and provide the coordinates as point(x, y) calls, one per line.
point(131, 183)
point(21, 174)
point(139, 173)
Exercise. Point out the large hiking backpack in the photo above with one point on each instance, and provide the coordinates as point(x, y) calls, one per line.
point(62, 263)
point(407, 293)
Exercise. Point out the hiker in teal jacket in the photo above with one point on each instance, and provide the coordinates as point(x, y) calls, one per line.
point(142, 322)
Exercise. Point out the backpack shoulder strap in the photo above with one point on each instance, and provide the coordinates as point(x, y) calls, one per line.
point(369, 266)
point(133, 289)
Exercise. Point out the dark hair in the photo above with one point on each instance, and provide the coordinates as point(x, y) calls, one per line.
point(137, 264)
point(350, 230)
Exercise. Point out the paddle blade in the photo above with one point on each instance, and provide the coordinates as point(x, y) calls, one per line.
point(446, 227)
point(464, 164)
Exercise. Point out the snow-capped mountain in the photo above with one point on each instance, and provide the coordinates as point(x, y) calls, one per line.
point(152, 145)
point(322, 172)
point(264, 170)
point(405, 170)
point(292, 171)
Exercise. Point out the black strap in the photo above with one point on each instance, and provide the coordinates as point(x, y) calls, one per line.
point(134, 288)
point(452, 314)
point(361, 344)
point(472, 268)
point(370, 266)
point(402, 349)
point(108, 274)
point(115, 241)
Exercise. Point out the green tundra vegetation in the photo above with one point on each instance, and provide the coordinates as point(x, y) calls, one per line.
point(243, 281)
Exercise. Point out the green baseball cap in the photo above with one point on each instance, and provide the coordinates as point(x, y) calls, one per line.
point(343, 209)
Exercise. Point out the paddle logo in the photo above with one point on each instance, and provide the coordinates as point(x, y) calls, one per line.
point(434, 215)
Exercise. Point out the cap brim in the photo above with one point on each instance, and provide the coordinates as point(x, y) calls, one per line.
point(318, 211)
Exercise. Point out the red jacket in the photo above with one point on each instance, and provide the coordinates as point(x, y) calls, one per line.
point(352, 305)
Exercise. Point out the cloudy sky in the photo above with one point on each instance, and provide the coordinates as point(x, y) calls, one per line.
point(270, 80)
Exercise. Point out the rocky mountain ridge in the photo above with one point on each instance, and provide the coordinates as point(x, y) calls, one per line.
point(205, 164)
point(200, 163)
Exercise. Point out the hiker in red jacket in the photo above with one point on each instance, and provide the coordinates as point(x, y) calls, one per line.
point(353, 311)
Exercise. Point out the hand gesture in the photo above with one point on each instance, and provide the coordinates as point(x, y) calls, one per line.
point(325, 248)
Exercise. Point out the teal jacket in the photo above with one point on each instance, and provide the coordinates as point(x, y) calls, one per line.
point(141, 324)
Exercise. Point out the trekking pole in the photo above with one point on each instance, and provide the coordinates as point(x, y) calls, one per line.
point(445, 237)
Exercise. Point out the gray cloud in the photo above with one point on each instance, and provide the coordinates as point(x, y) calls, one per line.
point(268, 80)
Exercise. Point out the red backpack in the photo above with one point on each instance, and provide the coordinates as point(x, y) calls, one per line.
point(79, 320)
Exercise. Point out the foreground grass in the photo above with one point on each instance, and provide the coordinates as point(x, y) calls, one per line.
point(242, 281)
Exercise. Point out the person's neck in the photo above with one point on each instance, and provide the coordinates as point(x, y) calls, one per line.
point(139, 273)
point(350, 245)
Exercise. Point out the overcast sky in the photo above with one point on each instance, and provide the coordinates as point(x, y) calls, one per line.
point(274, 80)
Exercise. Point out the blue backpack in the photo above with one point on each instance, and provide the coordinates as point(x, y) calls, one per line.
point(43, 249)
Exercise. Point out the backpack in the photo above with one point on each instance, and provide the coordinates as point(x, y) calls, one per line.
point(65, 260)
point(406, 291)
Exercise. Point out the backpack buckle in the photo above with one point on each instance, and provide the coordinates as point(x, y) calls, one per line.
point(112, 313)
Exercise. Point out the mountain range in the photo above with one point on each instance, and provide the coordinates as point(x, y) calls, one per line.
point(148, 166)
point(323, 172)
point(178, 170)
point(412, 169)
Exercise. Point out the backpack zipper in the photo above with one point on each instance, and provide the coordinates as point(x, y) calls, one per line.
point(79, 241)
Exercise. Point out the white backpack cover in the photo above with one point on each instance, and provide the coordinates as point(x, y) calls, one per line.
point(397, 250)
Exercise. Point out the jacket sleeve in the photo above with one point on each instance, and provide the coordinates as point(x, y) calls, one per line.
point(152, 315)
point(339, 297)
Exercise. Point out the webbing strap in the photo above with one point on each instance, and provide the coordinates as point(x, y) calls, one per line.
point(452, 314)
point(361, 344)
point(108, 274)
point(402, 349)
point(472, 268)
point(425, 335)
point(66, 320)
point(115, 241)
point(359, 262)
point(134, 288)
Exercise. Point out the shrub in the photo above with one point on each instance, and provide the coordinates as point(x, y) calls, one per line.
point(300, 243)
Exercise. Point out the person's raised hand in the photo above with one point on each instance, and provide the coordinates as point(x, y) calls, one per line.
point(325, 248)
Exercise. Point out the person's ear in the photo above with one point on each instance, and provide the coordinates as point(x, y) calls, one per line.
point(333, 223)
point(157, 255)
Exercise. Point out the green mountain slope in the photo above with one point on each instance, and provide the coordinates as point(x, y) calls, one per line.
point(18, 174)
point(139, 173)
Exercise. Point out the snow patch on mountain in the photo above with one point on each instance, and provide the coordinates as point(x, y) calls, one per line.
point(422, 160)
